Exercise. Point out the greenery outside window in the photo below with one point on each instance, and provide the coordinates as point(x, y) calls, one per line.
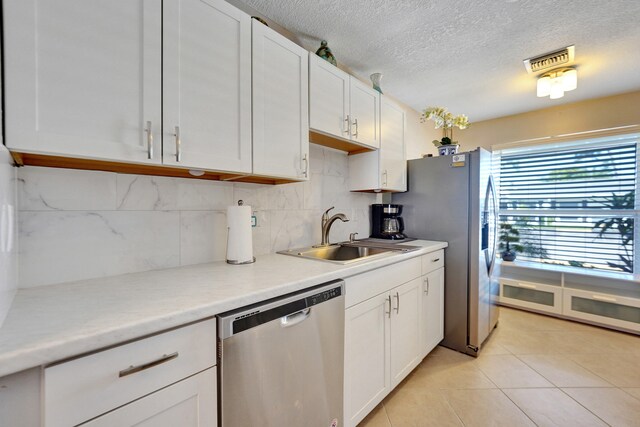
point(575, 204)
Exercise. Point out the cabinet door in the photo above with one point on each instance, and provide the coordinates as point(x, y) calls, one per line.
point(328, 97)
point(366, 366)
point(393, 160)
point(280, 105)
point(432, 312)
point(83, 78)
point(405, 337)
point(365, 113)
point(191, 402)
point(206, 85)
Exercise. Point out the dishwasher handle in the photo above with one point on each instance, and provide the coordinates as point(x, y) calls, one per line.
point(295, 318)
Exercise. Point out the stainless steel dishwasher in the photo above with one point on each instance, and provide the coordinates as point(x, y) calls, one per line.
point(281, 362)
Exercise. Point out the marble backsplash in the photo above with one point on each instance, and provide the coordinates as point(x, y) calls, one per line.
point(76, 225)
point(8, 232)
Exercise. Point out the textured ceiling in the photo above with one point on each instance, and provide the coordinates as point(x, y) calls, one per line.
point(467, 54)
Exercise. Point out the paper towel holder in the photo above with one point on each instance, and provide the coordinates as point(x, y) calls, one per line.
point(235, 261)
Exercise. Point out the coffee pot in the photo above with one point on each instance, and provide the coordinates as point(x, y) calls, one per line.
point(387, 222)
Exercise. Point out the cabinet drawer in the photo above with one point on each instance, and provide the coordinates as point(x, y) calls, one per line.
point(367, 285)
point(537, 296)
point(612, 310)
point(432, 261)
point(84, 388)
point(191, 402)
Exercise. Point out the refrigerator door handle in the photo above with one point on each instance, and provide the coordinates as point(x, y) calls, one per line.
point(494, 201)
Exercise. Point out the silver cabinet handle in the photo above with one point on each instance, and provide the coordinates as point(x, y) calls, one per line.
point(426, 282)
point(397, 303)
point(149, 133)
point(178, 144)
point(384, 179)
point(347, 127)
point(305, 159)
point(134, 369)
point(355, 123)
point(389, 301)
point(435, 260)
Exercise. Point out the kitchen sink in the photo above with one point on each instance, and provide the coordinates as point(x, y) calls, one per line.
point(344, 253)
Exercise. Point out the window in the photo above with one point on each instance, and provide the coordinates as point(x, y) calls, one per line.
point(574, 204)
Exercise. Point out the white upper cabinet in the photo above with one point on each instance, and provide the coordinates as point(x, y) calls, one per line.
point(83, 78)
point(364, 113)
point(280, 105)
point(386, 168)
point(393, 158)
point(328, 98)
point(341, 105)
point(206, 85)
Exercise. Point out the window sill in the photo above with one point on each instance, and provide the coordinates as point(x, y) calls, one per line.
point(571, 270)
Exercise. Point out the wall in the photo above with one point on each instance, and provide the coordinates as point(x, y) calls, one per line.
point(595, 114)
point(8, 232)
point(84, 224)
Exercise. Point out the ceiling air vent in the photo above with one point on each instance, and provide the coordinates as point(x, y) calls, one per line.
point(549, 60)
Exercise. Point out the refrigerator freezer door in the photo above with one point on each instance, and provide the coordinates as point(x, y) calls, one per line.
point(437, 208)
point(481, 251)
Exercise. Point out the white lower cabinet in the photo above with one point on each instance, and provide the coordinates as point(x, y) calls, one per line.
point(159, 377)
point(386, 331)
point(432, 311)
point(531, 295)
point(367, 354)
point(191, 402)
point(405, 326)
point(381, 347)
point(602, 308)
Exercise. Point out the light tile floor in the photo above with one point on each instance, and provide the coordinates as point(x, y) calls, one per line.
point(533, 370)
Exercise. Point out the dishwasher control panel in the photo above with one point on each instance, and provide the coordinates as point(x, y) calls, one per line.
point(324, 296)
point(237, 321)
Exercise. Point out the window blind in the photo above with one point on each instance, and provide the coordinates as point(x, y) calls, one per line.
point(574, 206)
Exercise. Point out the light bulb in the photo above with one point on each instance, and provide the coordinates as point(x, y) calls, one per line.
point(556, 88)
point(544, 86)
point(569, 79)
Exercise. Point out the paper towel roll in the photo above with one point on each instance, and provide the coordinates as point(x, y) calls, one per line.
point(239, 240)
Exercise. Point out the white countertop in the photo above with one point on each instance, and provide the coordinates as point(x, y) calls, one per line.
point(51, 323)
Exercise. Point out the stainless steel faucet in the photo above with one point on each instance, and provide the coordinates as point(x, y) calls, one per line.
point(328, 222)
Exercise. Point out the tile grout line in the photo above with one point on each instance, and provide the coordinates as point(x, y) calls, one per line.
point(439, 391)
point(624, 389)
point(591, 372)
point(587, 409)
point(519, 408)
point(535, 370)
point(386, 414)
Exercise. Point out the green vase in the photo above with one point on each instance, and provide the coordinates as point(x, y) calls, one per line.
point(325, 53)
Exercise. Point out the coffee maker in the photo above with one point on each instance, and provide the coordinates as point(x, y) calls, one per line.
point(386, 222)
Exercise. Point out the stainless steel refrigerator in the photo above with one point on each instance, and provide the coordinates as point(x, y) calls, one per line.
point(453, 198)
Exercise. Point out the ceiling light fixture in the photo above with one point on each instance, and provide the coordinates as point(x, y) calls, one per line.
point(556, 82)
